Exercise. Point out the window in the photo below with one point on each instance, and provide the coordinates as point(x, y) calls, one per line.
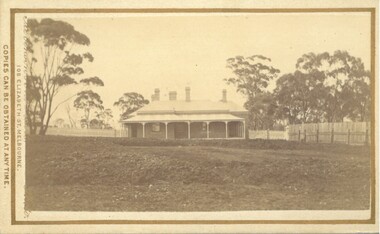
point(155, 127)
point(204, 126)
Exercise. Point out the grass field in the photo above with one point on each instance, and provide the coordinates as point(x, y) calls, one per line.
point(114, 174)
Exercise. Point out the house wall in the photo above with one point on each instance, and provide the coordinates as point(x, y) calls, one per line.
point(171, 130)
point(181, 130)
point(138, 126)
point(245, 116)
point(235, 129)
point(148, 130)
point(196, 130)
point(217, 130)
point(128, 129)
point(149, 133)
point(139, 130)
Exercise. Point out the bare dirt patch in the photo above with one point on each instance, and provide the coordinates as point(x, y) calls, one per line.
point(109, 174)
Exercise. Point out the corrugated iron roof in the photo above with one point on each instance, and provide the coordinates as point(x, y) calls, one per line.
point(194, 106)
point(182, 118)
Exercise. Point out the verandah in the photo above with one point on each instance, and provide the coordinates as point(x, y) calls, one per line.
point(187, 129)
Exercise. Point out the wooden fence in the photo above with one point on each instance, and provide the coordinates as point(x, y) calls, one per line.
point(85, 132)
point(268, 134)
point(345, 132)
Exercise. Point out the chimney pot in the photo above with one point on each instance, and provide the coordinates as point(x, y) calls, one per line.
point(172, 95)
point(187, 94)
point(157, 94)
point(224, 96)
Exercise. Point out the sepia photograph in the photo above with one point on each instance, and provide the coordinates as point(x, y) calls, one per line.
point(198, 112)
point(199, 117)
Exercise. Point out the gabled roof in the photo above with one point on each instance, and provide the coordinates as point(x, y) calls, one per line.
point(189, 107)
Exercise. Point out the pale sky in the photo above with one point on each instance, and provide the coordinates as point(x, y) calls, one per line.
point(170, 52)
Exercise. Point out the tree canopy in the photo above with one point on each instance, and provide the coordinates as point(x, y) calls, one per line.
point(129, 103)
point(323, 88)
point(51, 64)
point(298, 97)
point(87, 101)
point(345, 84)
point(252, 77)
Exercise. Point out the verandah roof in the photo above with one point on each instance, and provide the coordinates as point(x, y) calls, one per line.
point(182, 118)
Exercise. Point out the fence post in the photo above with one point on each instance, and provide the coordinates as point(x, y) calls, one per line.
point(317, 135)
point(332, 135)
point(366, 137)
point(299, 135)
point(348, 136)
point(304, 135)
point(267, 134)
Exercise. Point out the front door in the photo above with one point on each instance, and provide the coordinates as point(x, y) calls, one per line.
point(133, 130)
point(180, 130)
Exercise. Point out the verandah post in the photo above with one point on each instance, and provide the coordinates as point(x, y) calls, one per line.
point(166, 130)
point(226, 129)
point(299, 134)
point(317, 135)
point(304, 135)
point(332, 135)
point(208, 129)
point(244, 130)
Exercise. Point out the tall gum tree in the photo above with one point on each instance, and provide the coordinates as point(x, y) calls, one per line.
point(252, 77)
point(52, 64)
point(88, 100)
point(298, 96)
point(129, 103)
point(346, 83)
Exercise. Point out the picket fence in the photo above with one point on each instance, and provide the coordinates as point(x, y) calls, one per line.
point(268, 134)
point(344, 132)
point(86, 132)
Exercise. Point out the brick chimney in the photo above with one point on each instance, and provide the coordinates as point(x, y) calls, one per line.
point(187, 94)
point(157, 94)
point(224, 95)
point(172, 95)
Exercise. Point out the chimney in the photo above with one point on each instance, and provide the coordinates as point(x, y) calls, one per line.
point(157, 94)
point(172, 95)
point(224, 96)
point(154, 97)
point(187, 94)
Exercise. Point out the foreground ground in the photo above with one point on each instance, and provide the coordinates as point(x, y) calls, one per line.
point(110, 174)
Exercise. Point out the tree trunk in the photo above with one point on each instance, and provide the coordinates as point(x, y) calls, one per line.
point(43, 129)
point(32, 130)
point(42, 117)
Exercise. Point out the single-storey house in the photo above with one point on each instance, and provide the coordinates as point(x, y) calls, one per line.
point(187, 119)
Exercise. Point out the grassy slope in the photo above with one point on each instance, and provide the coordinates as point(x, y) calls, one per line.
point(109, 174)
